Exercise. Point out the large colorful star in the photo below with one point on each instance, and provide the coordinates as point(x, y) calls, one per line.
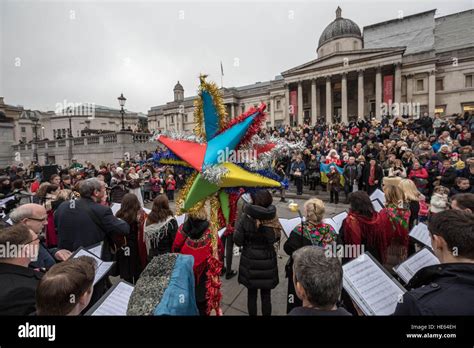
point(206, 157)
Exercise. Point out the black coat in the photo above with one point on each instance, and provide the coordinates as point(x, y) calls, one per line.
point(77, 229)
point(258, 264)
point(445, 289)
point(17, 290)
point(378, 174)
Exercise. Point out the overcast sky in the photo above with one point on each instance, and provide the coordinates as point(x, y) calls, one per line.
point(91, 51)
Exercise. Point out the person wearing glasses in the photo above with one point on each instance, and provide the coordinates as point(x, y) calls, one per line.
point(18, 281)
point(34, 216)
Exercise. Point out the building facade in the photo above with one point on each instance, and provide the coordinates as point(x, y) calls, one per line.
point(406, 66)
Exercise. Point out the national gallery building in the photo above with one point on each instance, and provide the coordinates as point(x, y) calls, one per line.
point(405, 66)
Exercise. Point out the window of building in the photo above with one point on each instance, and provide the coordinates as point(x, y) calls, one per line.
point(278, 106)
point(305, 98)
point(469, 80)
point(440, 109)
point(420, 85)
point(439, 84)
point(186, 118)
point(23, 139)
point(354, 45)
point(269, 106)
point(338, 46)
point(172, 119)
point(23, 129)
point(158, 124)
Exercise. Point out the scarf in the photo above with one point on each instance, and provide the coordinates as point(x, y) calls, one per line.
point(155, 232)
point(395, 222)
point(363, 230)
point(372, 176)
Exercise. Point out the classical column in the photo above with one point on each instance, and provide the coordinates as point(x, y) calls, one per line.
point(398, 83)
point(378, 93)
point(314, 112)
point(328, 100)
point(300, 103)
point(344, 117)
point(232, 112)
point(360, 95)
point(409, 88)
point(432, 92)
point(165, 118)
point(287, 103)
point(272, 112)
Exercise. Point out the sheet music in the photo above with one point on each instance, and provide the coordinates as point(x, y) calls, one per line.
point(378, 194)
point(115, 207)
point(4, 201)
point(180, 219)
point(221, 232)
point(289, 224)
point(378, 206)
point(97, 250)
point(370, 287)
point(116, 303)
point(339, 219)
point(420, 233)
point(102, 266)
point(407, 269)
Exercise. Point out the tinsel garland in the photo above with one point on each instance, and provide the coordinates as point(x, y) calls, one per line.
point(233, 198)
point(213, 89)
point(214, 174)
point(253, 129)
point(173, 134)
point(213, 284)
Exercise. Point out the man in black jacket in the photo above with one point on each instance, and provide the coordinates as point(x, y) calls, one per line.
point(18, 282)
point(447, 288)
point(85, 222)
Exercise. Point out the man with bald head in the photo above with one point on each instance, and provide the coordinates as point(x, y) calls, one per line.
point(34, 216)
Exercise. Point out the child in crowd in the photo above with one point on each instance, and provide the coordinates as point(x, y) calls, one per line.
point(170, 187)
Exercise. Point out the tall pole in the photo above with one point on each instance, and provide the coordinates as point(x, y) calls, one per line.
point(70, 127)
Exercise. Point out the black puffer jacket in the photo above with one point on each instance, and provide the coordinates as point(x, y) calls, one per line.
point(258, 263)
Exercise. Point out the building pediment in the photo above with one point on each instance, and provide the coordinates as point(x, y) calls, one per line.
point(343, 58)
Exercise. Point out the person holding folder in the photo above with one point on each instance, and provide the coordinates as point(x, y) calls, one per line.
point(447, 288)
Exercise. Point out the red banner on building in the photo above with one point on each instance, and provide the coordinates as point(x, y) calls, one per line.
point(388, 89)
point(293, 103)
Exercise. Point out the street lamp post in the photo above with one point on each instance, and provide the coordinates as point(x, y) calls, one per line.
point(70, 127)
point(122, 100)
point(35, 152)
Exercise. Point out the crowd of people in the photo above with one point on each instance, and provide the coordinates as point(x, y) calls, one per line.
point(425, 169)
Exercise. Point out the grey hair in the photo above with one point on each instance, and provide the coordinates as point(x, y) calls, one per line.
point(88, 186)
point(20, 213)
point(319, 274)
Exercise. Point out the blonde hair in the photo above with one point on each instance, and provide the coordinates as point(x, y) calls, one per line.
point(199, 214)
point(393, 195)
point(314, 210)
point(64, 195)
point(409, 190)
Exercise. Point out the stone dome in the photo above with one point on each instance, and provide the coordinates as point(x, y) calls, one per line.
point(340, 27)
point(178, 87)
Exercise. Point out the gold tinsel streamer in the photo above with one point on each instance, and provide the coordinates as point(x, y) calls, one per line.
point(183, 193)
point(213, 90)
point(214, 224)
point(175, 162)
